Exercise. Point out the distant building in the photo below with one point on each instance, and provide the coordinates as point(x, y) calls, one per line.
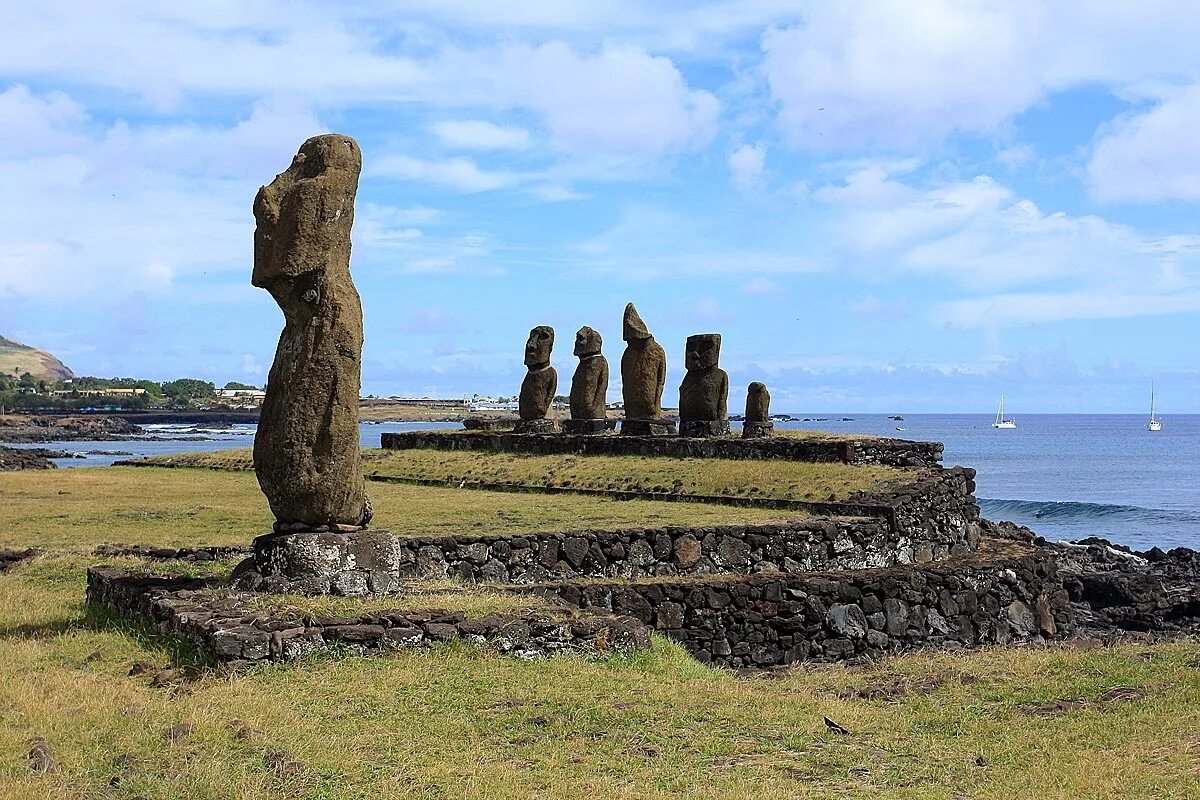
point(243, 394)
point(135, 392)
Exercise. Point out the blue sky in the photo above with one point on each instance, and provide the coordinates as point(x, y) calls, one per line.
point(882, 206)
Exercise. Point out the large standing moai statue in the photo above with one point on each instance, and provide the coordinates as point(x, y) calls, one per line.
point(704, 393)
point(643, 375)
point(758, 412)
point(589, 386)
point(306, 451)
point(540, 384)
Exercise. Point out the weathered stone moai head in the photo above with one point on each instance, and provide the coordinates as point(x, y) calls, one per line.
point(758, 403)
point(538, 346)
point(589, 386)
point(632, 326)
point(703, 351)
point(704, 393)
point(643, 369)
point(306, 452)
point(541, 381)
point(588, 342)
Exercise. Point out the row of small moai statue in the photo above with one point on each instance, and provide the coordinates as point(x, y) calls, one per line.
point(703, 395)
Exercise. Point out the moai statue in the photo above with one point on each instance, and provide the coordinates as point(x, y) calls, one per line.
point(540, 384)
point(704, 393)
point(757, 424)
point(643, 375)
point(306, 451)
point(589, 387)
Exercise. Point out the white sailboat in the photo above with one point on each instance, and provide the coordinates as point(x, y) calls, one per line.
point(1155, 424)
point(1001, 422)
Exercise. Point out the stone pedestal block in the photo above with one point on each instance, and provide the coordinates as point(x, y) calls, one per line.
point(330, 563)
point(647, 427)
point(535, 426)
point(699, 428)
point(757, 430)
point(585, 427)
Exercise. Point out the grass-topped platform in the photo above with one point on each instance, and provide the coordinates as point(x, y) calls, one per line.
point(779, 479)
point(82, 508)
point(804, 446)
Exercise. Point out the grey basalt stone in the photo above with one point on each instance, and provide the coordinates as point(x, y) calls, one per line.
point(643, 375)
point(704, 393)
point(589, 385)
point(306, 451)
point(757, 424)
point(540, 383)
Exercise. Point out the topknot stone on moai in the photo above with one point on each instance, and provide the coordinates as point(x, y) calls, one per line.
point(589, 386)
point(704, 393)
point(306, 451)
point(757, 424)
point(540, 384)
point(643, 375)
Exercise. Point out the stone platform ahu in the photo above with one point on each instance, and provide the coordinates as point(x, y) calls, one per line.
point(306, 452)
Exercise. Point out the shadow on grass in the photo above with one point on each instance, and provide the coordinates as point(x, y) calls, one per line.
point(41, 630)
point(182, 651)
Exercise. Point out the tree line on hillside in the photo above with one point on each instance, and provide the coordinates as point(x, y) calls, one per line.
point(29, 393)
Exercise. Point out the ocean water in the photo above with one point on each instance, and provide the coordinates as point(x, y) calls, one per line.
point(1066, 476)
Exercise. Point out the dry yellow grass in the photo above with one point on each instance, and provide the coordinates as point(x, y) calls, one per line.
point(794, 480)
point(81, 508)
point(472, 601)
point(456, 722)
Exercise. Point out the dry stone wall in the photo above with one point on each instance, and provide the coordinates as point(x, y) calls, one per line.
point(884, 452)
point(231, 631)
point(769, 620)
point(378, 561)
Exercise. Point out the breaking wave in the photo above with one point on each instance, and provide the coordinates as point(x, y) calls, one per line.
point(1069, 511)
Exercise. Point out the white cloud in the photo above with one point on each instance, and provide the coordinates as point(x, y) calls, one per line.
point(110, 211)
point(481, 135)
point(458, 174)
point(1151, 156)
point(899, 73)
point(905, 75)
point(1007, 310)
point(980, 234)
point(36, 124)
point(747, 167)
point(649, 243)
point(620, 99)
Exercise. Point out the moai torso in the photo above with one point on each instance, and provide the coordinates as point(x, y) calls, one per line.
point(306, 451)
point(541, 381)
point(704, 393)
point(643, 369)
point(589, 386)
point(758, 403)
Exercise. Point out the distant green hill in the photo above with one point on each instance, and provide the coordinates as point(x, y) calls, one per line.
point(16, 359)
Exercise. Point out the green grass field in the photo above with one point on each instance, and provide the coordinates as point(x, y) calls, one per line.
point(456, 722)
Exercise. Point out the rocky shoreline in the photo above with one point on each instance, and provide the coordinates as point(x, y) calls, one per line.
point(18, 429)
point(21, 429)
point(1115, 590)
point(13, 459)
